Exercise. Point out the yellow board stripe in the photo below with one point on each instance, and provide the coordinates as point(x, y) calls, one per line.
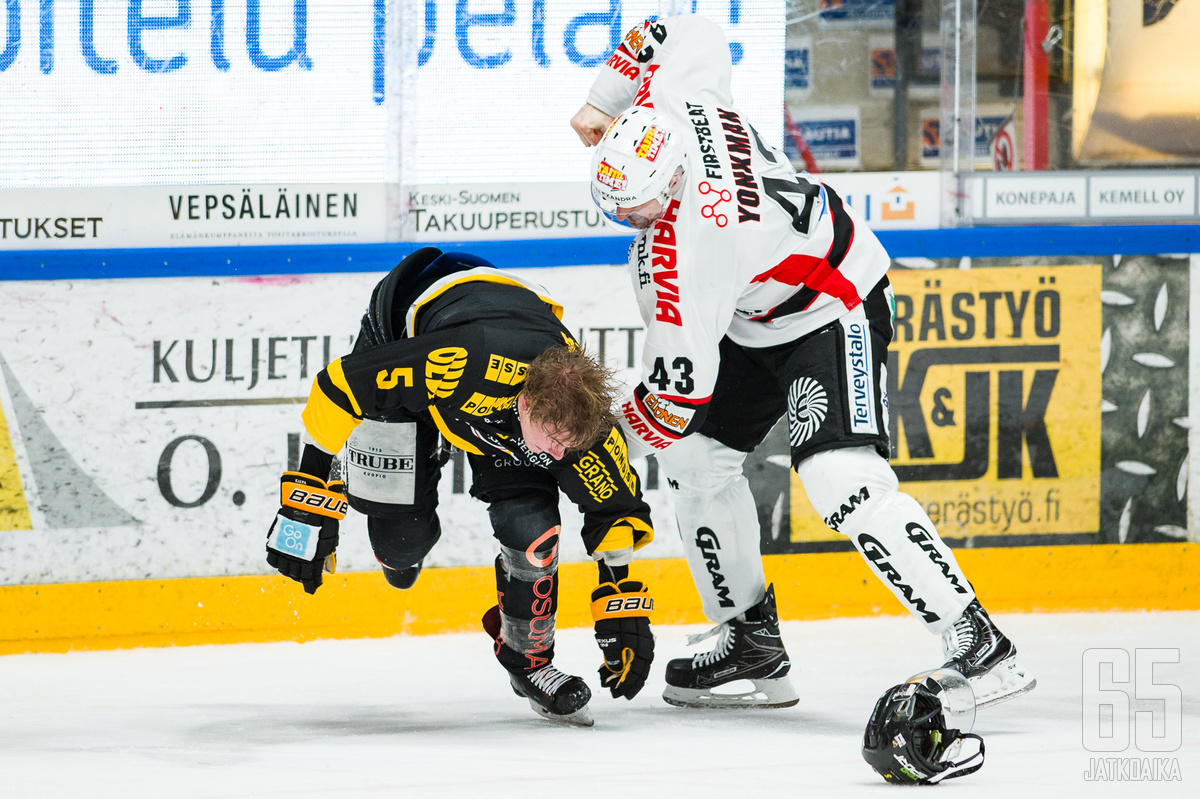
point(14, 510)
point(113, 615)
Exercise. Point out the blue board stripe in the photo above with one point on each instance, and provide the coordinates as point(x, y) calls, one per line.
point(979, 242)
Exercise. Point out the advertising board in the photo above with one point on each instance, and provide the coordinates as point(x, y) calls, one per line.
point(148, 442)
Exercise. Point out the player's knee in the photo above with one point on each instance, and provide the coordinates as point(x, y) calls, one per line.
point(526, 522)
point(700, 464)
point(405, 540)
point(848, 486)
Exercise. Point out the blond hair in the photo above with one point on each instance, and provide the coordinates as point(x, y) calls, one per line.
point(572, 395)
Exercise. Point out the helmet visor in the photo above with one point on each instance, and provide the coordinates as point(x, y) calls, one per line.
point(954, 692)
point(628, 219)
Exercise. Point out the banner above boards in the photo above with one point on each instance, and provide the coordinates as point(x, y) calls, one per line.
point(194, 216)
point(325, 91)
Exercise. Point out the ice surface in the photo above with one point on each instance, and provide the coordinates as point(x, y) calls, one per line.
point(434, 716)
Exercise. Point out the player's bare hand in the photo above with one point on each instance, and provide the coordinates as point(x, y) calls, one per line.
point(590, 123)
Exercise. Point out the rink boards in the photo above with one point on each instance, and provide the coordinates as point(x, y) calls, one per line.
point(1040, 408)
point(114, 615)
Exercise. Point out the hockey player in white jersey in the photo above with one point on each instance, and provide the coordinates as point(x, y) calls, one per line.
point(762, 294)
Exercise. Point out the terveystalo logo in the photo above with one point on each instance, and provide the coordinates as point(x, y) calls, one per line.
point(858, 370)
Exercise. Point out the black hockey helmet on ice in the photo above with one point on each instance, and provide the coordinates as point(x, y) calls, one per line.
point(908, 740)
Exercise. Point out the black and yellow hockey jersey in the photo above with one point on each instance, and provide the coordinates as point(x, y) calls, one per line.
point(459, 364)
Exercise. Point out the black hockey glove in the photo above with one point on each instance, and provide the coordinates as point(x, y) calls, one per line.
point(304, 535)
point(622, 615)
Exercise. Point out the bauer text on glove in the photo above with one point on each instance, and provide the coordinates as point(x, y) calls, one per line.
point(622, 615)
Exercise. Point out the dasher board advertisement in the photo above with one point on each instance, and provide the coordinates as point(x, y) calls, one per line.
point(145, 423)
point(994, 398)
point(193, 216)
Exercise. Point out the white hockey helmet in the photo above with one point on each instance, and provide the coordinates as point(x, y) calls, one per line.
point(634, 162)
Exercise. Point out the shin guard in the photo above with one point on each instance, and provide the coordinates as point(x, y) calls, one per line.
point(718, 523)
point(527, 594)
point(857, 493)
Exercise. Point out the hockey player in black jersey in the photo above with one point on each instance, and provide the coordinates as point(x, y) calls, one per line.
point(763, 295)
point(452, 348)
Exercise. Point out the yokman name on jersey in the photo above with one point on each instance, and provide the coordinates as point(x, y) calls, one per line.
point(737, 141)
point(708, 150)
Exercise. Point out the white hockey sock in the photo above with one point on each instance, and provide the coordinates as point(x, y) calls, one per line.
point(718, 523)
point(857, 493)
point(901, 545)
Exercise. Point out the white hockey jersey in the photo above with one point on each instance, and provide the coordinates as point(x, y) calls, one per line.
point(747, 248)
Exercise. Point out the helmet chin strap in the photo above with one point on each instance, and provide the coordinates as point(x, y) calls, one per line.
point(967, 765)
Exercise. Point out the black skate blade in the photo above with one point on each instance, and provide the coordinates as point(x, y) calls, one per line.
point(579, 718)
point(766, 694)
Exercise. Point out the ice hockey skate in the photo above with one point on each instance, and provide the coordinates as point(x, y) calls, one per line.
point(749, 649)
point(553, 695)
point(974, 646)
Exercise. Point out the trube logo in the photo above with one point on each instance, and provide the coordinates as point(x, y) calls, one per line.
point(376, 462)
